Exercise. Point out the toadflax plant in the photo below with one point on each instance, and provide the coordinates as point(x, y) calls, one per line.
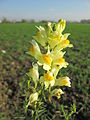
point(42, 83)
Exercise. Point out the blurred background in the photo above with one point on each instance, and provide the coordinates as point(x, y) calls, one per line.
point(18, 19)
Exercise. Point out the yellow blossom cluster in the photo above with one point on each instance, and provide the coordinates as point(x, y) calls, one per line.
point(53, 40)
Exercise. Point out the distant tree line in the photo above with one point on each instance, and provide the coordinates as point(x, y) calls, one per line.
point(85, 21)
point(5, 20)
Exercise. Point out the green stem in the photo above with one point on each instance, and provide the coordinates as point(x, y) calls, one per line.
point(49, 89)
point(35, 85)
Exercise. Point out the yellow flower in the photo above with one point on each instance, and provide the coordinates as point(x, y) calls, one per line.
point(66, 42)
point(33, 98)
point(61, 62)
point(57, 93)
point(61, 25)
point(56, 55)
point(52, 34)
point(35, 50)
point(63, 44)
point(57, 65)
point(55, 36)
point(34, 73)
point(47, 79)
point(65, 36)
point(53, 40)
point(38, 33)
point(63, 81)
point(32, 49)
point(45, 60)
point(41, 36)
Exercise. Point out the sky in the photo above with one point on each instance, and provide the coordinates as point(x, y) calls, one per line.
point(73, 10)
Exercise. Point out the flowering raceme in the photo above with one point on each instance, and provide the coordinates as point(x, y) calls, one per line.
point(52, 39)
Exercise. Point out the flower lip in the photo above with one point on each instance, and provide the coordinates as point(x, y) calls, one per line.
point(60, 60)
point(63, 81)
point(46, 59)
point(67, 82)
point(38, 33)
point(32, 49)
point(66, 42)
point(48, 77)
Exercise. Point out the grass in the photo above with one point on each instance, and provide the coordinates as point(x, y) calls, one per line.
point(14, 39)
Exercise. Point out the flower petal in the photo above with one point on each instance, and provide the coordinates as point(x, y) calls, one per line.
point(57, 93)
point(63, 81)
point(33, 97)
point(34, 73)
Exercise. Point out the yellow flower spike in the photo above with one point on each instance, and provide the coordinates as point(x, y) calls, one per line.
point(57, 93)
point(63, 81)
point(53, 41)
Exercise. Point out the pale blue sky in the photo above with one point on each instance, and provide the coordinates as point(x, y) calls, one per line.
point(45, 9)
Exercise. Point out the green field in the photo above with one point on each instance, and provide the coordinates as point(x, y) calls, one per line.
point(14, 63)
